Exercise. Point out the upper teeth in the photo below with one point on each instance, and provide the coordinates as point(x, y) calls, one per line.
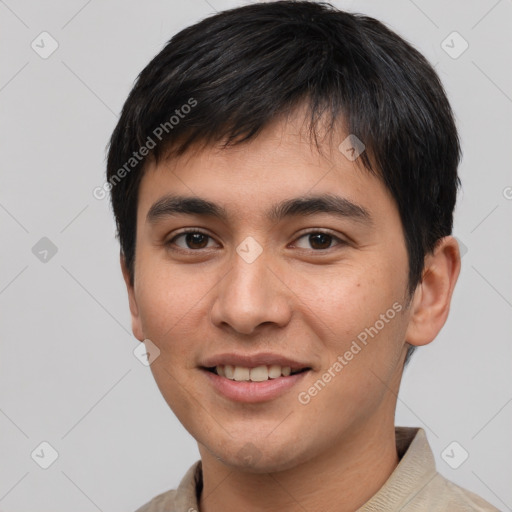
point(257, 374)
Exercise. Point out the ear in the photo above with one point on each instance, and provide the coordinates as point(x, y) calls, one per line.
point(134, 310)
point(431, 301)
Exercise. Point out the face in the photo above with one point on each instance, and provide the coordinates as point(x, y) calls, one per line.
point(318, 289)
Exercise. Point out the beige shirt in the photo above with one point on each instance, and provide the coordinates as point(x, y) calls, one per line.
point(414, 485)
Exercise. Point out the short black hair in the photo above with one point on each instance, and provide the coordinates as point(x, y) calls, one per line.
point(228, 76)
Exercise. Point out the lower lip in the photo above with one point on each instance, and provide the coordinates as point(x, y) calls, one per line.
point(253, 392)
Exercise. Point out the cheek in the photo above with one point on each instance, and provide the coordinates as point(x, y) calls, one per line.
point(169, 302)
point(168, 299)
point(348, 298)
point(357, 311)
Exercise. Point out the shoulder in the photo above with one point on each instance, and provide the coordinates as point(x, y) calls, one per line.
point(162, 503)
point(416, 485)
point(446, 495)
point(181, 499)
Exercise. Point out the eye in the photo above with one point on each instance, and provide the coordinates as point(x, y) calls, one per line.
point(320, 240)
point(194, 239)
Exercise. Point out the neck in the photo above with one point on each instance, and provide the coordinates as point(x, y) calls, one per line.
point(343, 479)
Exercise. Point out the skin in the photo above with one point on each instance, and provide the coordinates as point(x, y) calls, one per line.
point(298, 299)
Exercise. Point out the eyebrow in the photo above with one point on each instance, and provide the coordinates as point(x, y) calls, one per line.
point(171, 205)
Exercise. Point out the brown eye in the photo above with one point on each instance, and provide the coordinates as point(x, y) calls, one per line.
point(194, 240)
point(318, 240)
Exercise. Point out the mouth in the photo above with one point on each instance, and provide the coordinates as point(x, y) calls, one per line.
point(254, 384)
point(259, 373)
point(256, 377)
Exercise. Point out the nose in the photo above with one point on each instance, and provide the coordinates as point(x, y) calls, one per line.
point(251, 294)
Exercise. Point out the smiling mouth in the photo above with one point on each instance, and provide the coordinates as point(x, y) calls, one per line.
point(260, 373)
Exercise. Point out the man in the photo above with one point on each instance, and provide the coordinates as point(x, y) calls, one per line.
point(283, 177)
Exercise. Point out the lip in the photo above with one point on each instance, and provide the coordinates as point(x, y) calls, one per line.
point(252, 392)
point(253, 360)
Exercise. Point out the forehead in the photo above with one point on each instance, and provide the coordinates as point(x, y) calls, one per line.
point(280, 163)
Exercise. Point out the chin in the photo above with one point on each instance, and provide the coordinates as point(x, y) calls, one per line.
point(260, 457)
point(261, 466)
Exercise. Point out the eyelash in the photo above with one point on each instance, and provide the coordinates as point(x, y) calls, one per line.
point(196, 230)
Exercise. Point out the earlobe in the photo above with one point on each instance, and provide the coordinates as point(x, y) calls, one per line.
point(134, 310)
point(431, 302)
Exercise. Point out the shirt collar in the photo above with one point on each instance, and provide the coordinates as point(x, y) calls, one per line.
point(416, 469)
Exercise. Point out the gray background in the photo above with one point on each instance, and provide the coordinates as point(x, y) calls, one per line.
point(68, 374)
